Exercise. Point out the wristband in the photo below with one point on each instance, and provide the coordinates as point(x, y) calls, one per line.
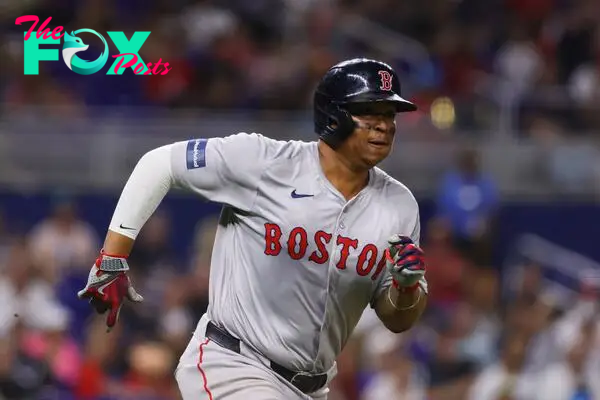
point(110, 263)
point(404, 289)
point(404, 308)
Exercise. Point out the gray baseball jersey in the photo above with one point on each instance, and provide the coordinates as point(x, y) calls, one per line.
point(294, 263)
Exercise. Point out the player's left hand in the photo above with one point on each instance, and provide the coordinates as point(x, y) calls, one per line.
point(405, 261)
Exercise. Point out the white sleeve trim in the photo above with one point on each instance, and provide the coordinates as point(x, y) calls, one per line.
point(148, 184)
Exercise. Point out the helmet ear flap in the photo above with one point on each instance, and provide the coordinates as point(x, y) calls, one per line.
point(340, 125)
point(333, 123)
point(345, 123)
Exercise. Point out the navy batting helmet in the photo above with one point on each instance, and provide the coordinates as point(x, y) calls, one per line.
point(359, 80)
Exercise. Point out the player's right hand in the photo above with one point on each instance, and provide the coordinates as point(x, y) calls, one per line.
point(108, 285)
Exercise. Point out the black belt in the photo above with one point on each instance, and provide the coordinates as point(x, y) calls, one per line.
point(304, 382)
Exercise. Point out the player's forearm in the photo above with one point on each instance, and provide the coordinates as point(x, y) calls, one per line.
point(117, 244)
point(145, 189)
point(400, 311)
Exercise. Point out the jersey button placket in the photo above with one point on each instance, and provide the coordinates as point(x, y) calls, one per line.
point(341, 225)
point(345, 209)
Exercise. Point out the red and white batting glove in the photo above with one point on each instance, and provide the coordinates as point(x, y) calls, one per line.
point(107, 286)
point(406, 263)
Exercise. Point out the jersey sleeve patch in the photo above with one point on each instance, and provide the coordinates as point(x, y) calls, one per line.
point(196, 153)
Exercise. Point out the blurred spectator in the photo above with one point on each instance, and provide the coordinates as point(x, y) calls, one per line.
point(539, 324)
point(584, 84)
point(63, 247)
point(479, 344)
point(450, 369)
point(101, 356)
point(23, 293)
point(573, 321)
point(150, 375)
point(575, 377)
point(21, 377)
point(396, 376)
point(47, 340)
point(505, 379)
point(42, 345)
point(346, 386)
point(152, 249)
point(63, 243)
point(518, 62)
point(468, 199)
point(176, 322)
point(529, 283)
point(446, 266)
point(153, 268)
point(575, 46)
point(197, 282)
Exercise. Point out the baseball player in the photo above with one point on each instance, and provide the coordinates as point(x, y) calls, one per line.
point(311, 233)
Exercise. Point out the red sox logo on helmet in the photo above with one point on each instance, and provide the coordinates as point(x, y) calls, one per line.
point(386, 80)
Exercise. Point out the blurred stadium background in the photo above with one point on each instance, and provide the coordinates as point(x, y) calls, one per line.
point(503, 156)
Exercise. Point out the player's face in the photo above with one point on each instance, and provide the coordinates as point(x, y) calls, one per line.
point(372, 139)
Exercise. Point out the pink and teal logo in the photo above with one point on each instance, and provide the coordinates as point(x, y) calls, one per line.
point(128, 56)
point(73, 45)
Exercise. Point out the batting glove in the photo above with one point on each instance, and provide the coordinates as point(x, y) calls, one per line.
point(406, 263)
point(107, 286)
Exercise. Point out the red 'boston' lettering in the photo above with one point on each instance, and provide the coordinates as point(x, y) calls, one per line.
point(272, 236)
point(380, 266)
point(297, 246)
point(346, 244)
point(366, 259)
point(320, 256)
point(292, 241)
